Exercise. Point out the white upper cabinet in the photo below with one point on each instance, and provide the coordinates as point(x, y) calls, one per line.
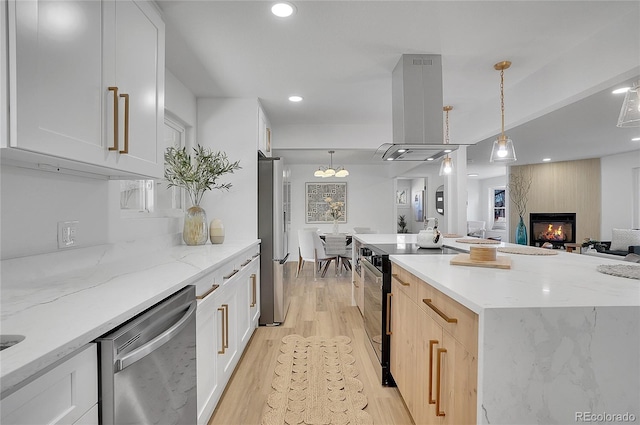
point(87, 83)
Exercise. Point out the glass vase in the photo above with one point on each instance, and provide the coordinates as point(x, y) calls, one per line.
point(196, 227)
point(335, 227)
point(521, 233)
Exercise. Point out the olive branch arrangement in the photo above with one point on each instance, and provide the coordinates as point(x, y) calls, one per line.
point(519, 185)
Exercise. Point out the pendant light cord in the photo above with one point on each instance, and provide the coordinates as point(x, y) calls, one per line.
point(502, 98)
point(446, 139)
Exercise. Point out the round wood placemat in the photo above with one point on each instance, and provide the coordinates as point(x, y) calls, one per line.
point(451, 235)
point(478, 241)
point(620, 270)
point(526, 250)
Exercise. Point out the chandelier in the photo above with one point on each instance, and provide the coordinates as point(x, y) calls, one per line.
point(630, 112)
point(330, 171)
point(503, 150)
point(446, 167)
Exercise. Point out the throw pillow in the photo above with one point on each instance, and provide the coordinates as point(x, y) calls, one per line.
point(621, 239)
point(634, 258)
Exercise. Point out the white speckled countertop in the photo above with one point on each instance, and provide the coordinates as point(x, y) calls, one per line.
point(563, 280)
point(60, 309)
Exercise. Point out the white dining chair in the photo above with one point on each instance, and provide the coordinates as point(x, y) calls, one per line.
point(311, 248)
point(337, 245)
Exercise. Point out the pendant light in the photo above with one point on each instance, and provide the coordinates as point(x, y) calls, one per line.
point(446, 168)
point(630, 112)
point(330, 171)
point(503, 150)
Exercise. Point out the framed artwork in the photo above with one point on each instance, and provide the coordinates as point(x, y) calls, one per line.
point(418, 205)
point(268, 139)
point(401, 197)
point(316, 209)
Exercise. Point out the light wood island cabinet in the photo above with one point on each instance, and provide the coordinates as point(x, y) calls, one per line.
point(434, 346)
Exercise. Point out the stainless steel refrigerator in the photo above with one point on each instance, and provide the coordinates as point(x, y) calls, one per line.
point(274, 220)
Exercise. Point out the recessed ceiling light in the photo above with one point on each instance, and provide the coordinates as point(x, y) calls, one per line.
point(636, 139)
point(447, 150)
point(546, 159)
point(473, 175)
point(621, 90)
point(429, 159)
point(283, 9)
point(295, 98)
point(401, 150)
point(389, 159)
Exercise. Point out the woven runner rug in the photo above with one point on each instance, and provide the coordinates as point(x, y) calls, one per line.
point(315, 383)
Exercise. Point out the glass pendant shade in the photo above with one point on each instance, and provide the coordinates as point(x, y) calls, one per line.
point(342, 173)
point(446, 168)
point(503, 150)
point(318, 173)
point(630, 112)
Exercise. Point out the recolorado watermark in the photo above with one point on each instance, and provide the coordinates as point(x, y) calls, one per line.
point(605, 417)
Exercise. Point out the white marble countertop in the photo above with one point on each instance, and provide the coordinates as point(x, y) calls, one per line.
point(563, 280)
point(60, 309)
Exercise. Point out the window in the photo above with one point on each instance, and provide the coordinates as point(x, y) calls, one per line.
point(152, 196)
point(499, 209)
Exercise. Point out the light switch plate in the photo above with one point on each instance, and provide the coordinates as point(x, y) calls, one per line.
point(67, 233)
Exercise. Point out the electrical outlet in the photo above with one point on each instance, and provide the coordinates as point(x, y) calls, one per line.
point(67, 233)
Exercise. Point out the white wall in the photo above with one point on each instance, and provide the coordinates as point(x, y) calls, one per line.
point(617, 191)
point(405, 210)
point(479, 203)
point(370, 201)
point(231, 125)
point(33, 202)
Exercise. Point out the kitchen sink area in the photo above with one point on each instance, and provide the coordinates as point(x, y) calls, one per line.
point(7, 341)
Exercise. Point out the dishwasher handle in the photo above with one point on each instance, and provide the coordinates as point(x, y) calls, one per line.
point(157, 342)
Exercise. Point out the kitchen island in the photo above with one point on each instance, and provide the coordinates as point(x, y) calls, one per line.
point(557, 341)
point(62, 301)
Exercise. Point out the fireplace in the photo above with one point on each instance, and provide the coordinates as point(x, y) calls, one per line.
point(555, 228)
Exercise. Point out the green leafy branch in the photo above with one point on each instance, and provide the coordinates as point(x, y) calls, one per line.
point(198, 174)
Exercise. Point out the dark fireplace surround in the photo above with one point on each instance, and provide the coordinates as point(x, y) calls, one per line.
point(555, 228)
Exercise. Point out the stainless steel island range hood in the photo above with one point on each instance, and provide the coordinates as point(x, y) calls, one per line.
point(417, 102)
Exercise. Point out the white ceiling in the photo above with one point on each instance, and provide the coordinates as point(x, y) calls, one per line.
point(339, 56)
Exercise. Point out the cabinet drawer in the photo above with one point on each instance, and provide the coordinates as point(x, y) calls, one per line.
point(407, 282)
point(445, 311)
point(60, 396)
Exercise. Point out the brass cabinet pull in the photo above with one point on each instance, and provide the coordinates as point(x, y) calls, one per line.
point(255, 256)
point(355, 284)
point(432, 342)
point(231, 274)
point(116, 118)
point(126, 123)
point(389, 295)
point(226, 325)
point(207, 292)
point(245, 263)
point(222, 329)
point(438, 379)
point(447, 319)
point(395, 276)
point(253, 283)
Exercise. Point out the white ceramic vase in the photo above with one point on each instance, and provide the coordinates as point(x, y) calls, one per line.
point(216, 231)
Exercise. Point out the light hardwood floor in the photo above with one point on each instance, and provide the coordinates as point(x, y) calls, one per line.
point(323, 308)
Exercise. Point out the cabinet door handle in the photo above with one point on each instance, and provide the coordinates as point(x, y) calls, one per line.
point(432, 342)
point(226, 325)
point(245, 263)
point(438, 379)
point(207, 292)
point(253, 283)
point(389, 295)
point(116, 118)
point(230, 274)
point(355, 284)
point(222, 329)
point(447, 319)
point(126, 123)
point(395, 276)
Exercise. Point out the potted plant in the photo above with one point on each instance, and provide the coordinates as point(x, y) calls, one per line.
point(402, 224)
point(196, 175)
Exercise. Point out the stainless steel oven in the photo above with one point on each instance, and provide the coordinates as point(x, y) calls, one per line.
point(377, 289)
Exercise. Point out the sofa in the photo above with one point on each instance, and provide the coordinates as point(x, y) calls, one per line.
point(623, 242)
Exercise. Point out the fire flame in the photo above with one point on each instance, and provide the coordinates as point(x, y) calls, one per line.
point(552, 234)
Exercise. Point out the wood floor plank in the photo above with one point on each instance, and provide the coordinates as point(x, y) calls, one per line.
point(321, 307)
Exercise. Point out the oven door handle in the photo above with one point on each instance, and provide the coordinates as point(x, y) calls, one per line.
point(371, 268)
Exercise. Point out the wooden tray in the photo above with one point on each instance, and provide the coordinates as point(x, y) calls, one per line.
point(501, 262)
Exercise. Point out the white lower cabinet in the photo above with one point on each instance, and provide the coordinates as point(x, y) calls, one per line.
point(66, 394)
point(225, 321)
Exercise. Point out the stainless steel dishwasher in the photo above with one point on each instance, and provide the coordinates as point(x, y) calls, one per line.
point(148, 366)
